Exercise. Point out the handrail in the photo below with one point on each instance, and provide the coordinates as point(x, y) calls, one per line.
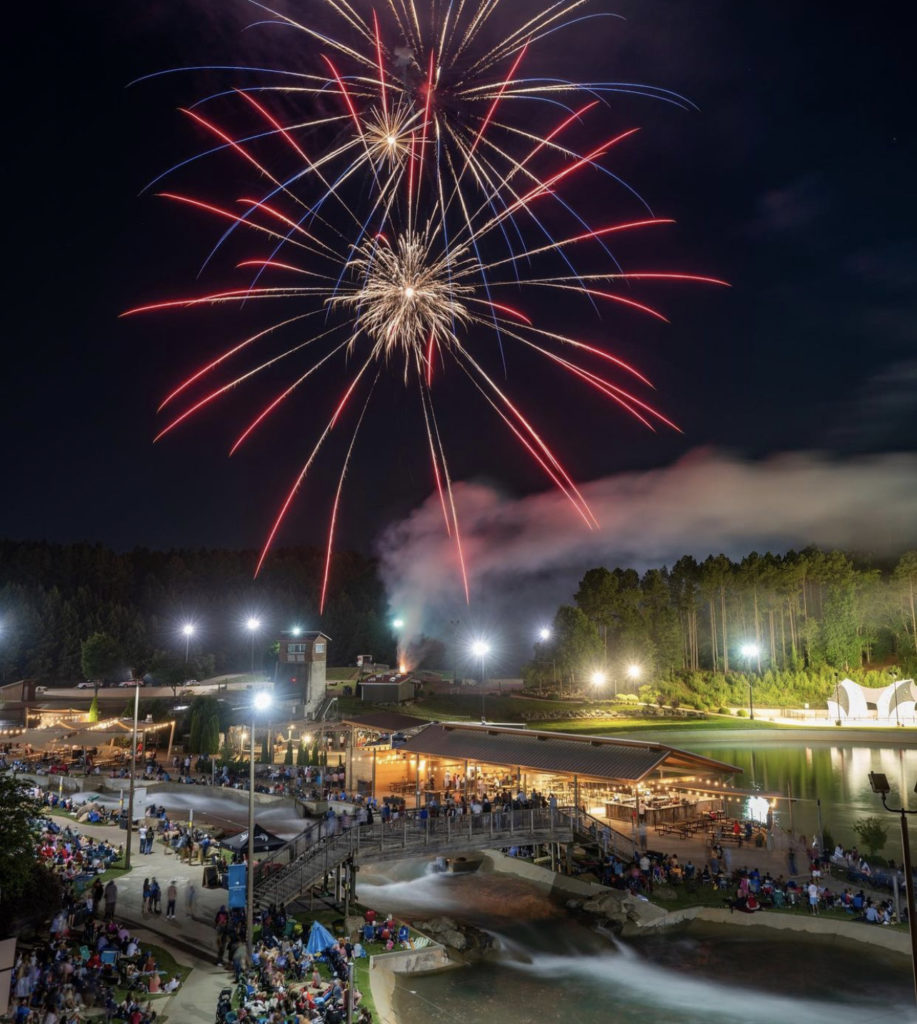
point(411, 834)
point(604, 834)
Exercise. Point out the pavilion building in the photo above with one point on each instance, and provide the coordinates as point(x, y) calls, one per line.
point(615, 779)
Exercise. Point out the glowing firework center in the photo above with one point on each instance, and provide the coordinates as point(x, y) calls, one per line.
point(405, 298)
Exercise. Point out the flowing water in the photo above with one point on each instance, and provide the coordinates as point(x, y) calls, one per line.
point(549, 967)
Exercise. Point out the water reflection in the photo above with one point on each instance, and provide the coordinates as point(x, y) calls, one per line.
point(837, 775)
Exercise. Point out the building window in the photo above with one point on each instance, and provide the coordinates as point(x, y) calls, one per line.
point(319, 648)
point(296, 648)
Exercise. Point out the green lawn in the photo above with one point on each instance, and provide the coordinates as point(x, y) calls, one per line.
point(613, 726)
point(168, 967)
point(706, 896)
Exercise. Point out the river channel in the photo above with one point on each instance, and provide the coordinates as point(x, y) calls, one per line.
point(549, 967)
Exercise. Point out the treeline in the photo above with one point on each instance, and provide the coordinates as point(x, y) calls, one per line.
point(55, 597)
point(807, 612)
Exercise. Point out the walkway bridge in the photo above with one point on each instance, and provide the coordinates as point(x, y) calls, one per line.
point(312, 855)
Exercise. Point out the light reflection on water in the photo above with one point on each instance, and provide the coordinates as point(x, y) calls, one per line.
point(837, 775)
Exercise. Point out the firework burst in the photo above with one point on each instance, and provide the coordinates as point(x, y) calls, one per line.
point(412, 220)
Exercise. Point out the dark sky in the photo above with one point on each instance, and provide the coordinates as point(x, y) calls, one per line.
point(794, 180)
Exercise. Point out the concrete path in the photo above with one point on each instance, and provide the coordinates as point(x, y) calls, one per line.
point(190, 938)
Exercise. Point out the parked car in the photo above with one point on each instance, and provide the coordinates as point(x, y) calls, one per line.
point(132, 682)
point(190, 682)
point(85, 685)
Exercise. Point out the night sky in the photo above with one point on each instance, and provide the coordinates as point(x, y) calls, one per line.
point(794, 180)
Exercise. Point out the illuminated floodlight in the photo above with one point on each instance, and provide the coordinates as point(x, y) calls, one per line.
point(544, 633)
point(398, 623)
point(188, 629)
point(750, 651)
point(253, 624)
point(262, 700)
point(634, 671)
point(480, 648)
point(598, 678)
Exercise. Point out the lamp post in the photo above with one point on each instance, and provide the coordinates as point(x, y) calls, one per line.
point(261, 701)
point(879, 784)
point(750, 651)
point(480, 649)
point(598, 679)
point(634, 672)
point(544, 635)
point(188, 631)
point(253, 625)
point(130, 790)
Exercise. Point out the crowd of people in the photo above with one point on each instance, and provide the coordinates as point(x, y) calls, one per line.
point(88, 953)
point(282, 981)
point(72, 855)
point(749, 889)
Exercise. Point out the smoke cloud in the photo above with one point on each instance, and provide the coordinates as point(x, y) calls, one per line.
point(525, 556)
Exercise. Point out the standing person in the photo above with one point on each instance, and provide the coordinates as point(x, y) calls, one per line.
point(146, 896)
point(111, 899)
point(98, 891)
point(221, 924)
point(171, 896)
point(141, 835)
point(155, 897)
point(813, 898)
point(190, 899)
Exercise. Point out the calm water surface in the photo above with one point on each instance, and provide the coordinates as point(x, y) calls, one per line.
point(835, 774)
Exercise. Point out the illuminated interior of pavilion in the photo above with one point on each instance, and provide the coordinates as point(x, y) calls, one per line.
point(613, 779)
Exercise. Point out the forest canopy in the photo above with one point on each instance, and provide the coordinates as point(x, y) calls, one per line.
point(807, 616)
point(55, 599)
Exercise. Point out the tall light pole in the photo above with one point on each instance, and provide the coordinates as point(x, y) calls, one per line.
point(633, 673)
point(544, 635)
point(130, 789)
point(749, 652)
point(188, 631)
point(261, 701)
point(879, 784)
point(253, 625)
point(480, 649)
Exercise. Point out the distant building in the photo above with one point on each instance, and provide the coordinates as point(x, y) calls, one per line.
point(301, 668)
point(395, 691)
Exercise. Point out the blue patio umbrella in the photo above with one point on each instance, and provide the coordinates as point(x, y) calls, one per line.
point(319, 938)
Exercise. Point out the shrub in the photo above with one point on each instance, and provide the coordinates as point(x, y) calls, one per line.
point(872, 832)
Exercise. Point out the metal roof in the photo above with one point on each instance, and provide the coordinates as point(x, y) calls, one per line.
point(597, 757)
point(384, 721)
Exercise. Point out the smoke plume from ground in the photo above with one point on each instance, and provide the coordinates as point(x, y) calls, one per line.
point(525, 556)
